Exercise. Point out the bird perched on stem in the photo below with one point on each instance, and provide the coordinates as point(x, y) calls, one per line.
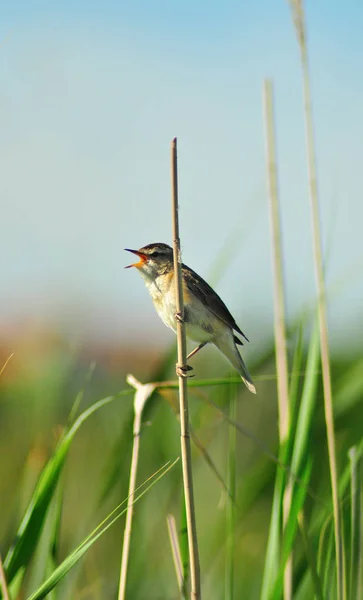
point(207, 318)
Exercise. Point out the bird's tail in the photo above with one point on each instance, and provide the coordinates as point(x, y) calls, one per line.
point(230, 351)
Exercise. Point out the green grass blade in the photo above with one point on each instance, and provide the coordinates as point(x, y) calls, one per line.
point(290, 531)
point(295, 382)
point(297, 502)
point(42, 563)
point(274, 562)
point(272, 559)
point(307, 405)
point(328, 571)
point(322, 521)
point(31, 526)
point(72, 559)
point(311, 558)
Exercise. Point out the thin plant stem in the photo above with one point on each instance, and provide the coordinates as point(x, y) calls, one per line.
point(279, 294)
point(143, 392)
point(279, 302)
point(298, 14)
point(183, 390)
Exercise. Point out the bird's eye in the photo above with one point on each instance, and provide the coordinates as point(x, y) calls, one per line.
point(156, 253)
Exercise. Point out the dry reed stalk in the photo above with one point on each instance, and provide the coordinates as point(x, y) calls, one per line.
point(298, 15)
point(183, 393)
point(143, 392)
point(279, 301)
point(278, 276)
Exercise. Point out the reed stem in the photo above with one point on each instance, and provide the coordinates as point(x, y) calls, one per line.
point(183, 389)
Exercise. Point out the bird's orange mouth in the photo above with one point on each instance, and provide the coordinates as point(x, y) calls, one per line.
point(141, 255)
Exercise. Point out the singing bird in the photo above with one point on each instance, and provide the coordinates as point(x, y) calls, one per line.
point(207, 318)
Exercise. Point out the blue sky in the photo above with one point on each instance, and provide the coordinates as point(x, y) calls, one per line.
point(91, 96)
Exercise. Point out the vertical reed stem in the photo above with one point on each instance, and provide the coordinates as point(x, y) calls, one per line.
point(298, 15)
point(143, 392)
point(279, 302)
point(183, 391)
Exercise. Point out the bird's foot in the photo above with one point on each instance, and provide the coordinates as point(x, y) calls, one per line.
point(179, 317)
point(183, 371)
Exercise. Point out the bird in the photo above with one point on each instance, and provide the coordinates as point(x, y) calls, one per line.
point(207, 318)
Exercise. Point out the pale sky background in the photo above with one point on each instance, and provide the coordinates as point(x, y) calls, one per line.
point(92, 94)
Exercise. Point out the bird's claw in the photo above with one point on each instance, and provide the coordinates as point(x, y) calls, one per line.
point(183, 371)
point(179, 317)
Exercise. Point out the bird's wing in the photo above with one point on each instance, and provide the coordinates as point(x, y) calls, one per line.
point(203, 291)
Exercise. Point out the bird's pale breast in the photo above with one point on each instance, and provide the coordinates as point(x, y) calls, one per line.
point(201, 324)
point(163, 296)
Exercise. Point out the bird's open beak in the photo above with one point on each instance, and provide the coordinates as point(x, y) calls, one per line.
point(141, 255)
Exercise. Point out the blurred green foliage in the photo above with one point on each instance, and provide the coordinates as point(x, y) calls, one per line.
point(37, 391)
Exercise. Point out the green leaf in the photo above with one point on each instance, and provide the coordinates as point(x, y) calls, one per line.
point(31, 526)
point(297, 501)
point(82, 548)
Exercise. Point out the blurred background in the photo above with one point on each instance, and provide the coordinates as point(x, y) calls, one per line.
point(91, 96)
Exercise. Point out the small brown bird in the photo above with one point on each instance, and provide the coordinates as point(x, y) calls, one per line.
point(207, 318)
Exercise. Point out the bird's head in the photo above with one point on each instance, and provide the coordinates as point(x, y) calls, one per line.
point(155, 259)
